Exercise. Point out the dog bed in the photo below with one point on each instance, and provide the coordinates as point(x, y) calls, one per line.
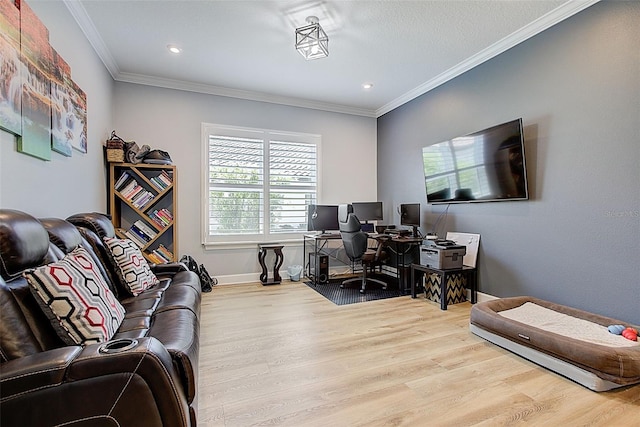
point(571, 342)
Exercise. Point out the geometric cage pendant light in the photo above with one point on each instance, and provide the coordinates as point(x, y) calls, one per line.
point(311, 40)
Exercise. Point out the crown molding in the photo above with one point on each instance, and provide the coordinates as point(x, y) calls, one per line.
point(546, 21)
point(85, 23)
point(559, 14)
point(241, 94)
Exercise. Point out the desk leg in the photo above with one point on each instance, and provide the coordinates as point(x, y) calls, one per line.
point(413, 282)
point(474, 286)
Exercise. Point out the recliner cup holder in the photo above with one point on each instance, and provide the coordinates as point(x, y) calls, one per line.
point(118, 346)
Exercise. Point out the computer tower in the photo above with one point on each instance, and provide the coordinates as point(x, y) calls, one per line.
point(319, 264)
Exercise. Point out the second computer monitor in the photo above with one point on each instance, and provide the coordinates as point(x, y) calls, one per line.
point(410, 215)
point(368, 211)
point(322, 218)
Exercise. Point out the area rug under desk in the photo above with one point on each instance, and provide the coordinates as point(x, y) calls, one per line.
point(334, 293)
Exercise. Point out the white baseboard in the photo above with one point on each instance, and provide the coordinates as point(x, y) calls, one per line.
point(255, 277)
point(481, 296)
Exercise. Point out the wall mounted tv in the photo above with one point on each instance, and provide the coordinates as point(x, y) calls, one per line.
point(484, 166)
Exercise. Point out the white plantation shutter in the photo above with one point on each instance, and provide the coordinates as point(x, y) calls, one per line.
point(292, 184)
point(236, 185)
point(259, 182)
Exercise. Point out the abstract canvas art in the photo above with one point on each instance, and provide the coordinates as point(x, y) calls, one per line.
point(10, 68)
point(36, 54)
point(39, 101)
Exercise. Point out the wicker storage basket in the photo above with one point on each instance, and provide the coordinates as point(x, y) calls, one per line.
point(115, 149)
point(115, 155)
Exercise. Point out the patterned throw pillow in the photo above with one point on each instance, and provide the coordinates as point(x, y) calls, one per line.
point(132, 268)
point(75, 297)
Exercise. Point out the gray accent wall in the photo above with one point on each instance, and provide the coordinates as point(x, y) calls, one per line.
point(577, 88)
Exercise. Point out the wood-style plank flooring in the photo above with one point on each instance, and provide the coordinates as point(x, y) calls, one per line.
point(284, 355)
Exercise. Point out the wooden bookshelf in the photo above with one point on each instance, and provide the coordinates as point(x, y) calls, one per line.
point(142, 203)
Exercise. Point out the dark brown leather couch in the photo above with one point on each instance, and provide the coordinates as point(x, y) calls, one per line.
point(146, 375)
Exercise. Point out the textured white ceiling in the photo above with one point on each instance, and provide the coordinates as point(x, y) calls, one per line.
point(246, 48)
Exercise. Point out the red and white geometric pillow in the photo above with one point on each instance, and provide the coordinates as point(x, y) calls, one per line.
point(75, 297)
point(131, 266)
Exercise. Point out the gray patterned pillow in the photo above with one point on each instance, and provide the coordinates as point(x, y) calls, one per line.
point(131, 266)
point(75, 297)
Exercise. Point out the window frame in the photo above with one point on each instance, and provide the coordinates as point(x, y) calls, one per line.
point(250, 240)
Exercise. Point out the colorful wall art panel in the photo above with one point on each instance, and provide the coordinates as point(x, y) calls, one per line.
point(10, 68)
point(39, 101)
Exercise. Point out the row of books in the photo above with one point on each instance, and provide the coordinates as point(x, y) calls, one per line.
point(141, 233)
point(162, 180)
point(161, 255)
point(136, 194)
point(162, 217)
point(143, 230)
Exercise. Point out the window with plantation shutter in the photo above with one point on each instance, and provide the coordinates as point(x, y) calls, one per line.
point(258, 183)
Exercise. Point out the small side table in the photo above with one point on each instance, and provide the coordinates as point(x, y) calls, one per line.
point(445, 275)
point(262, 253)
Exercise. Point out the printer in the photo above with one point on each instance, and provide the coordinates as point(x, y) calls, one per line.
point(442, 254)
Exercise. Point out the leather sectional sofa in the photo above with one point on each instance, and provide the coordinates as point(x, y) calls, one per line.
point(144, 375)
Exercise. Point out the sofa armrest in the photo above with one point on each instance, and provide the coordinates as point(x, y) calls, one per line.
point(133, 386)
point(37, 371)
point(170, 268)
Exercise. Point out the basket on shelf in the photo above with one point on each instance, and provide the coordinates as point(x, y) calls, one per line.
point(115, 148)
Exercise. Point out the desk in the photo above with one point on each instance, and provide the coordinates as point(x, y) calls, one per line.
point(445, 275)
point(401, 246)
point(319, 247)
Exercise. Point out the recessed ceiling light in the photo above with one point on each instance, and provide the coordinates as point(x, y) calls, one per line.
point(174, 49)
point(367, 85)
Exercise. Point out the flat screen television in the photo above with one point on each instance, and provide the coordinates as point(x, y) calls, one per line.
point(322, 218)
point(368, 211)
point(410, 216)
point(484, 166)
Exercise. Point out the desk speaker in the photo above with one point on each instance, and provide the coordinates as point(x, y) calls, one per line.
point(319, 267)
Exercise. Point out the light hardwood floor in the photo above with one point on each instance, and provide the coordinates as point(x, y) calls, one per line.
point(284, 355)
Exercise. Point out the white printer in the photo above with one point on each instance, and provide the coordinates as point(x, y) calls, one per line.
point(442, 254)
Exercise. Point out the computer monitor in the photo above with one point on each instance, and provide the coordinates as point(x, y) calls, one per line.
point(410, 215)
point(368, 211)
point(322, 218)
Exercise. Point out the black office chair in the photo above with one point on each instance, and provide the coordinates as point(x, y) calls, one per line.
point(355, 242)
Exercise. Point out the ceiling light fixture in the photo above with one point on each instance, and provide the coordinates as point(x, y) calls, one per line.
point(367, 85)
point(311, 40)
point(174, 49)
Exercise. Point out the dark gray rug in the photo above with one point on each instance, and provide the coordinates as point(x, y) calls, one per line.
point(352, 295)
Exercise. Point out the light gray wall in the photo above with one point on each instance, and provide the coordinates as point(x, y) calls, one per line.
point(171, 120)
point(64, 185)
point(577, 88)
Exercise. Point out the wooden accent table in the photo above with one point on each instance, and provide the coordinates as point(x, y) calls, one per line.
point(262, 253)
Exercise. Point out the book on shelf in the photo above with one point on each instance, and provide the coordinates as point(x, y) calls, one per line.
point(135, 238)
point(145, 229)
point(165, 252)
point(155, 258)
point(129, 187)
point(142, 199)
point(122, 180)
point(140, 234)
point(160, 255)
point(162, 180)
point(162, 217)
